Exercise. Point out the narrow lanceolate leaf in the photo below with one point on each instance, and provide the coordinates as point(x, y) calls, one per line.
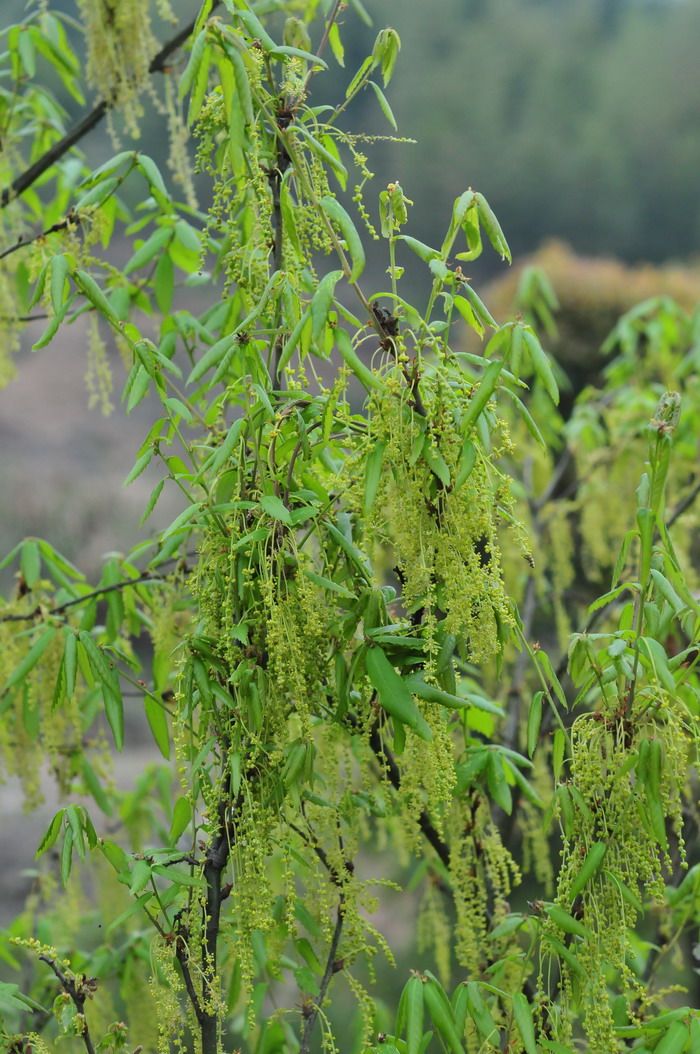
point(567, 922)
point(276, 508)
point(30, 659)
point(492, 227)
point(109, 683)
point(425, 252)
point(589, 868)
point(540, 363)
point(432, 694)
point(211, 357)
point(367, 377)
point(482, 394)
point(322, 302)
point(158, 723)
point(91, 290)
point(182, 816)
point(394, 696)
point(383, 103)
point(59, 282)
point(30, 562)
point(523, 1019)
point(51, 833)
point(338, 216)
point(414, 1015)
point(442, 1014)
point(70, 661)
point(480, 1013)
point(330, 585)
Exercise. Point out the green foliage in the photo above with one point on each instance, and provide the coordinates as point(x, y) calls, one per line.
point(335, 661)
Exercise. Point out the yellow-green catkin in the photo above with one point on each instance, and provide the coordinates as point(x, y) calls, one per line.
point(601, 745)
point(120, 47)
point(444, 537)
point(434, 929)
point(98, 376)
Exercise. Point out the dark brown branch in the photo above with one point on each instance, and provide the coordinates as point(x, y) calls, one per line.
point(78, 992)
point(88, 122)
point(181, 956)
point(71, 218)
point(142, 579)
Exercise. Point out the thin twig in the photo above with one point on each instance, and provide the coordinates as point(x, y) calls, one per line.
point(142, 579)
point(324, 39)
point(71, 218)
point(683, 505)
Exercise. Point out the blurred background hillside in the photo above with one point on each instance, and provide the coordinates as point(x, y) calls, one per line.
point(578, 119)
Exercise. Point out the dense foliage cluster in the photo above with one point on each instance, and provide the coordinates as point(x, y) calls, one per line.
point(334, 642)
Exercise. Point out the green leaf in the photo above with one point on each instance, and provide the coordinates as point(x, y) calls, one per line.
point(384, 104)
point(155, 180)
point(482, 395)
point(90, 289)
point(182, 817)
point(373, 474)
point(367, 377)
point(140, 465)
point(431, 694)
point(30, 659)
point(336, 44)
point(284, 51)
point(153, 245)
point(30, 562)
point(497, 783)
point(322, 302)
point(534, 720)
point(332, 586)
point(480, 310)
point(140, 877)
point(211, 357)
point(394, 696)
point(368, 64)
point(51, 833)
point(108, 681)
point(425, 252)
point(276, 508)
point(60, 269)
point(492, 227)
point(158, 723)
point(337, 215)
point(192, 68)
point(540, 363)
point(66, 856)
point(70, 661)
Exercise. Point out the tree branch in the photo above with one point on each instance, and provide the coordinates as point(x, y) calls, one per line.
point(88, 122)
point(142, 579)
point(71, 218)
point(78, 993)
